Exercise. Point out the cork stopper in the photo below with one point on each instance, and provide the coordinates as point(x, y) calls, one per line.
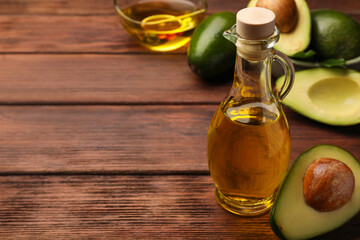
point(255, 23)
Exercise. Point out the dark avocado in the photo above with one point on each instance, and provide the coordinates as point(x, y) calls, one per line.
point(210, 55)
point(334, 34)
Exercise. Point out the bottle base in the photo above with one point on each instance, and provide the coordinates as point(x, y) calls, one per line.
point(245, 206)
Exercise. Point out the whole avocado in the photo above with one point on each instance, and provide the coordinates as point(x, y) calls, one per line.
point(210, 55)
point(334, 34)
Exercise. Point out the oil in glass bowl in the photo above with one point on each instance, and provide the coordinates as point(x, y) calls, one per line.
point(161, 25)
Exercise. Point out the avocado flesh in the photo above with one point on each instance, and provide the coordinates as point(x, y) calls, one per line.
point(330, 96)
point(298, 39)
point(292, 218)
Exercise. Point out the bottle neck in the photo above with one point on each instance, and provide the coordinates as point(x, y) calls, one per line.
point(252, 77)
point(252, 52)
point(252, 81)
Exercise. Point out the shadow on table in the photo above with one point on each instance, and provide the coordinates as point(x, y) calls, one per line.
point(353, 130)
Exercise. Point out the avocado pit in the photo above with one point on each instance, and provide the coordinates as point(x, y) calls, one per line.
point(328, 184)
point(285, 11)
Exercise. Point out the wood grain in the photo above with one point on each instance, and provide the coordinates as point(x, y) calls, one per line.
point(115, 79)
point(101, 139)
point(101, 7)
point(68, 34)
point(56, 7)
point(121, 207)
point(92, 7)
point(128, 139)
point(126, 207)
point(54, 34)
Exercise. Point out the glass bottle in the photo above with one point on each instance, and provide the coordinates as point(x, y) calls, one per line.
point(248, 143)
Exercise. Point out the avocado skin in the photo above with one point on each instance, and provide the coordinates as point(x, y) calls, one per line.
point(334, 34)
point(276, 229)
point(274, 225)
point(210, 55)
point(298, 39)
point(299, 101)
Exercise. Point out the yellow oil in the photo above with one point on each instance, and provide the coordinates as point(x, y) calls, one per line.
point(161, 25)
point(248, 154)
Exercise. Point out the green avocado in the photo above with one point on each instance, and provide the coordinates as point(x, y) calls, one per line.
point(298, 39)
point(210, 55)
point(334, 34)
point(327, 95)
point(292, 218)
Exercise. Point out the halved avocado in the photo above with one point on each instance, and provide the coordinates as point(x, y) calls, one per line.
point(327, 95)
point(292, 218)
point(298, 39)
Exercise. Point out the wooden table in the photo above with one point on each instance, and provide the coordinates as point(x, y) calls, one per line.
point(102, 139)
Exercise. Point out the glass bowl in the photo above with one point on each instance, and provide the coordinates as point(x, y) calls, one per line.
point(160, 25)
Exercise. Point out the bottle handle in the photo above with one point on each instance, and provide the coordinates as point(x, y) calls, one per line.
point(289, 71)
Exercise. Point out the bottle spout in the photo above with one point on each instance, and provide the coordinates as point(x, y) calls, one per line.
point(231, 34)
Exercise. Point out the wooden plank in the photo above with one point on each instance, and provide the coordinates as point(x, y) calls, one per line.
point(121, 207)
point(129, 139)
point(306, 133)
point(56, 7)
point(68, 34)
point(126, 207)
point(144, 79)
point(97, 7)
point(103, 138)
point(92, 7)
point(53, 34)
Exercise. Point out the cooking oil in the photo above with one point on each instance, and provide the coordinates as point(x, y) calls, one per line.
point(248, 145)
point(248, 154)
point(163, 25)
